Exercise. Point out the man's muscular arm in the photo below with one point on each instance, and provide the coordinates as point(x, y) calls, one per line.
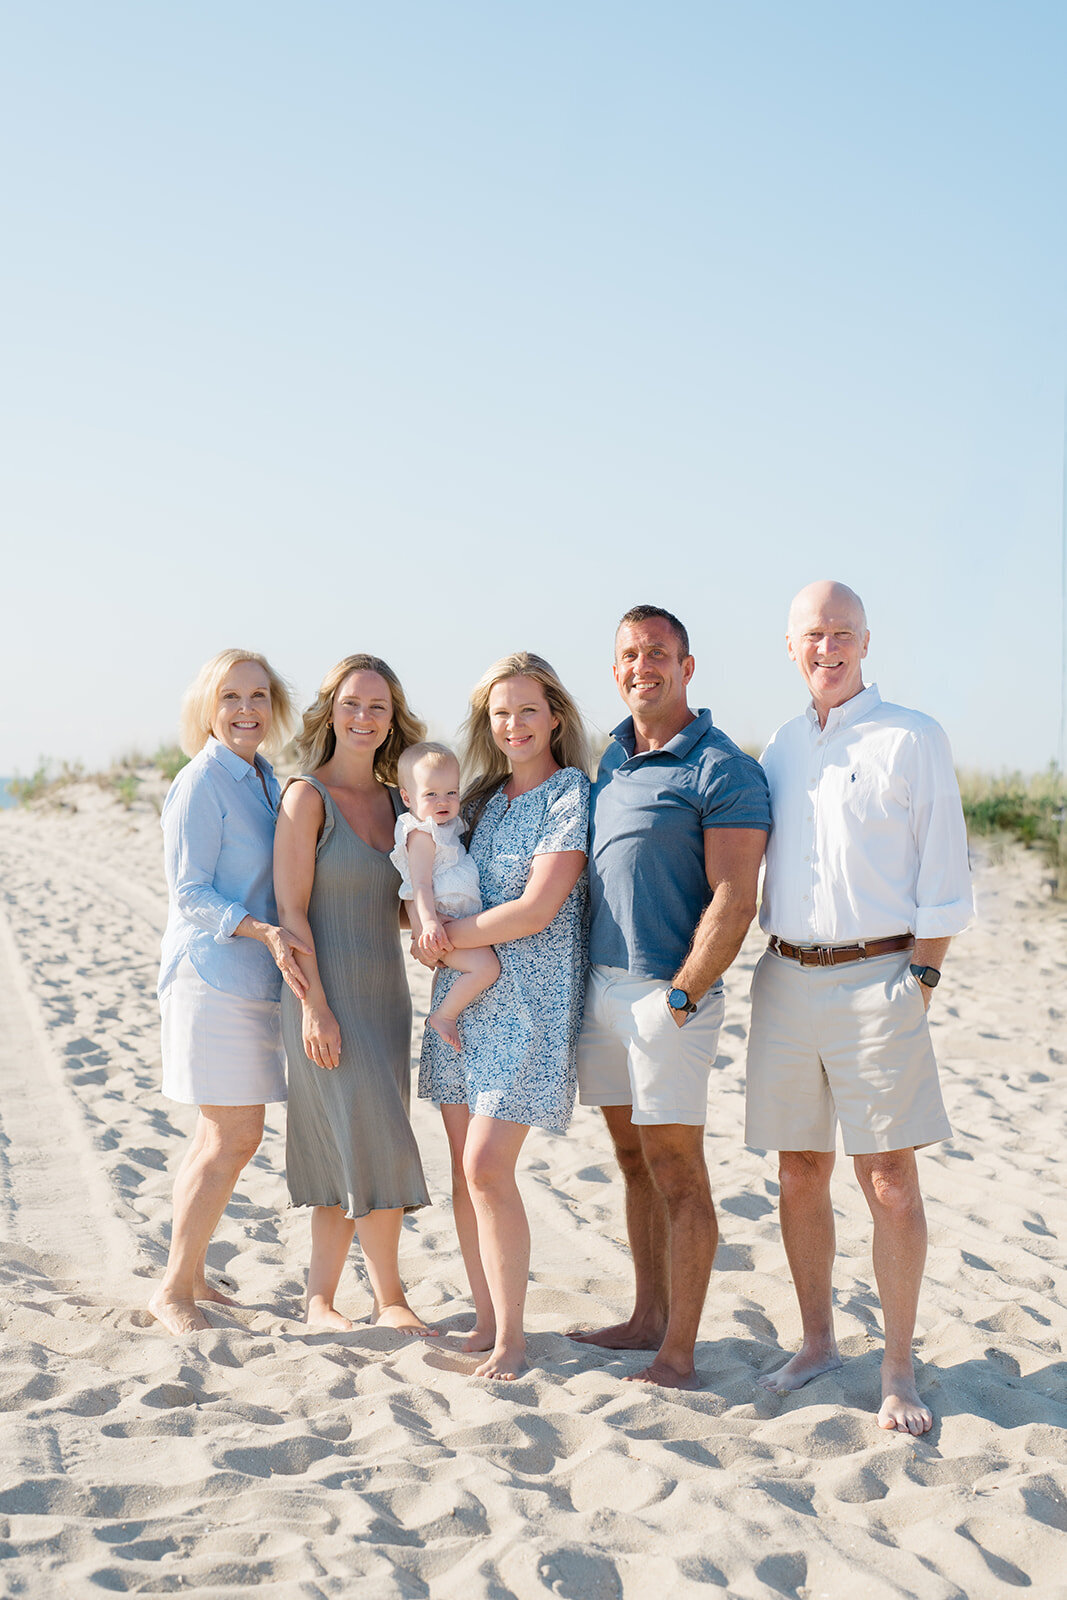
point(732, 859)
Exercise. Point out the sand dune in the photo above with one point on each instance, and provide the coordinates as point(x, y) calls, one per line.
point(263, 1456)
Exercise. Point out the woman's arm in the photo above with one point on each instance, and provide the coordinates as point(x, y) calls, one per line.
point(192, 840)
point(300, 821)
point(552, 877)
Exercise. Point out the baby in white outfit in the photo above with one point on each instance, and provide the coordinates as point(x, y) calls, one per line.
point(439, 877)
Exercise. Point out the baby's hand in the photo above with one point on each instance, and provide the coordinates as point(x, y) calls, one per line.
point(432, 941)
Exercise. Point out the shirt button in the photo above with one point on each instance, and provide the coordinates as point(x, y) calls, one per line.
point(807, 897)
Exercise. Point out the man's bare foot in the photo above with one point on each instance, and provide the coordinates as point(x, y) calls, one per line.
point(323, 1314)
point(666, 1376)
point(800, 1369)
point(446, 1028)
point(479, 1339)
point(403, 1319)
point(177, 1316)
point(505, 1362)
point(621, 1336)
point(901, 1407)
point(207, 1291)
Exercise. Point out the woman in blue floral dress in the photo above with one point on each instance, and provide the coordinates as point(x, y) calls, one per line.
point(528, 809)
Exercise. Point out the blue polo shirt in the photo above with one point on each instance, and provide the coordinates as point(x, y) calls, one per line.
point(647, 885)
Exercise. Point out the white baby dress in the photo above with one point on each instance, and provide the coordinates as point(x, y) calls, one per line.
point(456, 892)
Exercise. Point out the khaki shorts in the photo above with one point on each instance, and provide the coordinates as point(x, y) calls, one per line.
point(631, 1052)
point(846, 1045)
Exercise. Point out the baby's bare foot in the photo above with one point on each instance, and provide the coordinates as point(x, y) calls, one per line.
point(446, 1028)
point(479, 1339)
point(323, 1314)
point(504, 1363)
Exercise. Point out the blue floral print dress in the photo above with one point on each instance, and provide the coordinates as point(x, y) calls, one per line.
point(520, 1035)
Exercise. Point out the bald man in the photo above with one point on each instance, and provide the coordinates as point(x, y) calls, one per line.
point(867, 880)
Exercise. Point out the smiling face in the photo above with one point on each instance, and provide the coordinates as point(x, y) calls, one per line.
point(434, 791)
point(651, 671)
point(362, 712)
point(243, 710)
point(521, 720)
point(828, 640)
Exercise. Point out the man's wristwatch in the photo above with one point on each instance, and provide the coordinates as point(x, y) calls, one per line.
point(927, 975)
point(678, 1000)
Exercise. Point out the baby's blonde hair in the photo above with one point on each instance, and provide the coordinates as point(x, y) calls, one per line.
point(427, 750)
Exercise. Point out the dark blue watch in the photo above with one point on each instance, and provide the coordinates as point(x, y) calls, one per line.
point(678, 1000)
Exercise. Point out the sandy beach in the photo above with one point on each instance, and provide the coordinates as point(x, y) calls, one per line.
point(261, 1456)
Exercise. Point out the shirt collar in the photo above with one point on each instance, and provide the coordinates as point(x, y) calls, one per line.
point(679, 746)
point(236, 766)
point(852, 710)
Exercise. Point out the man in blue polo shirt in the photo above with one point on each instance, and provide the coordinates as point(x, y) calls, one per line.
point(680, 818)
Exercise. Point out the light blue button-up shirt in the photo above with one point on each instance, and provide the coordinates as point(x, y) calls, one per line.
point(218, 852)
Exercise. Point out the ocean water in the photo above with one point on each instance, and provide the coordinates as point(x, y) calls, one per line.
point(6, 797)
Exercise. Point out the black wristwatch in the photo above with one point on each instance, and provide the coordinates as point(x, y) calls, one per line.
point(927, 975)
point(678, 1000)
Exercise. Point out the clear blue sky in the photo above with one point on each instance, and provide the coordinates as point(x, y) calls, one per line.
point(440, 330)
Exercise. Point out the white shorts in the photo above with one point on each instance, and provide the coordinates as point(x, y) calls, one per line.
point(846, 1044)
point(219, 1049)
point(631, 1052)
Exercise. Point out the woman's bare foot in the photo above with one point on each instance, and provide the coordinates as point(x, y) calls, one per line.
point(632, 1335)
point(322, 1314)
point(177, 1316)
point(479, 1339)
point(505, 1363)
point(901, 1407)
point(401, 1317)
point(447, 1029)
point(801, 1368)
point(207, 1291)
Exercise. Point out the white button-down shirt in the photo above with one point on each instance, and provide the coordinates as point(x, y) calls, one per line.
point(868, 838)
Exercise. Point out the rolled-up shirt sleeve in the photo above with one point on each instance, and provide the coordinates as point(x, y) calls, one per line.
point(944, 901)
point(192, 839)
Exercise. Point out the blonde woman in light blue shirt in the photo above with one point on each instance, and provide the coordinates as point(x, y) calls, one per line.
point(223, 956)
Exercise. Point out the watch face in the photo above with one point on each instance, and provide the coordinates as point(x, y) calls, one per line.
point(677, 999)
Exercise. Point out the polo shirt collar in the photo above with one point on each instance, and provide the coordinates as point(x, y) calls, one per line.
point(861, 705)
point(679, 746)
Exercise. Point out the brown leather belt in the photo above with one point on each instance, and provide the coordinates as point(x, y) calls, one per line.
point(836, 955)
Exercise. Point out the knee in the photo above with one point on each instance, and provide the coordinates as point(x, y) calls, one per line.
point(679, 1177)
point(235, 1148)
point(485, 1175)
point(632, 1163)
point(893, 1193)
point(803, 1175)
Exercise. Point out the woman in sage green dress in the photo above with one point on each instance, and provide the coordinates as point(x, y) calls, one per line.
point(350, 1151)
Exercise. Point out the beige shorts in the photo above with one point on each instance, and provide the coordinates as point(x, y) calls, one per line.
point(631, 1052)
point(847, 1045)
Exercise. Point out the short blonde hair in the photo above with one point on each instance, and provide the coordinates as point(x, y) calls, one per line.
point(316, 741)
point(481, 754)
point(201, 699)
point(436, 754)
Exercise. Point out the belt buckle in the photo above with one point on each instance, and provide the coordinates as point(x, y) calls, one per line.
point(825, 953)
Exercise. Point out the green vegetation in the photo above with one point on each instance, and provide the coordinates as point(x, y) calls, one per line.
point(1012, 806)
point(169, 759)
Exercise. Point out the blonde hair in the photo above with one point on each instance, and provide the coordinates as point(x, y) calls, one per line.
point(484, 759)
point(436, 754)
point(200, 701)
point(316, 741)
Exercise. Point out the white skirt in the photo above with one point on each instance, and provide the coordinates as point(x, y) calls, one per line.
point(219, 1049)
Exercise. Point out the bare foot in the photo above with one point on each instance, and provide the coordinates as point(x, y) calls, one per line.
point(901, 1407)
point(446, 1028)
point(479, 1339)
point(322, 1314)
point(505, 1362)
point(176, 1315)
point(207, 1291)
point(403, 1319)
point(666, 1376)
point(800, 1369)
point(621, 1336)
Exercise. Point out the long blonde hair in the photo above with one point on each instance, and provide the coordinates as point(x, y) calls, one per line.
point(482, 757)
point(200, 701)
point(316, 741)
